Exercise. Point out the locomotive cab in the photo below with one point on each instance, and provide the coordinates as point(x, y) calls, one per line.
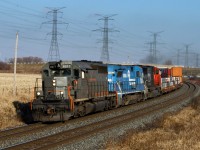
point(52, 92)
point(55, 79)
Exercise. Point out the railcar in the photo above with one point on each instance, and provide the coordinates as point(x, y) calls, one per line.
point(127, 82)
point(152, 81)
point(171, 78)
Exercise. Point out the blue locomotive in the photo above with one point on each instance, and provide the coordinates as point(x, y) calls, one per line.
point(126, 81)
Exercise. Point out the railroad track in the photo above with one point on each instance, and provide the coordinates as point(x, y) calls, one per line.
point(72, 136)
point(21, 129)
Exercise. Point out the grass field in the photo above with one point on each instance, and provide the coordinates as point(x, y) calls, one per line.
point(24, 93)
point(177, 132)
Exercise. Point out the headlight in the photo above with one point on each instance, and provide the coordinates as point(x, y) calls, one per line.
point(61, 93)
point(38, 93)
point(54, 82)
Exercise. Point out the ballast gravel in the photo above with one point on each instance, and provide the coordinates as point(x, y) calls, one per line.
point(98, 140)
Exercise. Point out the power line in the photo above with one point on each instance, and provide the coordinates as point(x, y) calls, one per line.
point(21, 7)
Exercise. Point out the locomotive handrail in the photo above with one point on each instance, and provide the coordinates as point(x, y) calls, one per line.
point(70, 98)
point(116, 98)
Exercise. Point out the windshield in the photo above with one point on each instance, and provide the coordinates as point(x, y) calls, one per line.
point(61, 72)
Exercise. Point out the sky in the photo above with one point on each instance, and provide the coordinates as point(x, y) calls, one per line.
point(136, 20)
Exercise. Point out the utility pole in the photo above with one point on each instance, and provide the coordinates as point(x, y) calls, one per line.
point(105, 52)
point(54, 54)
point(15, 64)
point(155, 34)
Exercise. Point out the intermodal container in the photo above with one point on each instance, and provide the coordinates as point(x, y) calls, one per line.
point(165, 72)
point(176, 71)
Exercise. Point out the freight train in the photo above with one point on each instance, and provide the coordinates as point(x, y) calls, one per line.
point(77, 88)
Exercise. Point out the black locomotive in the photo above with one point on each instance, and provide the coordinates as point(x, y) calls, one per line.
point(71, 88)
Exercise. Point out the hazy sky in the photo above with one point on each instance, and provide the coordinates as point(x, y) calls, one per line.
point(179, 19)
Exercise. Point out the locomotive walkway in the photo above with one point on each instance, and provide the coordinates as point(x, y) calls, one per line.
point(93, 130)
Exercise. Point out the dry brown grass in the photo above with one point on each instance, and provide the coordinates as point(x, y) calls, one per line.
point(179, 132)
point(25, 84)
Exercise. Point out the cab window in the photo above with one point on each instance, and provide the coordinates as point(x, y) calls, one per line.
point(66, 72)
point(76, 73)
point(46, 72)
point(138, 74)
point(119, 74)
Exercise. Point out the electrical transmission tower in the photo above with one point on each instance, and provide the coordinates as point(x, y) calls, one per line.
point(150, 57)
point(196, 56)
point(54, 49)
point(187, 55)
point(105, 53)
point(178, 56)
point(154, 46)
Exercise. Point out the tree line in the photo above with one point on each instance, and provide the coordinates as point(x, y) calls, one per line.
point(22, 60)
point(26, 60)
